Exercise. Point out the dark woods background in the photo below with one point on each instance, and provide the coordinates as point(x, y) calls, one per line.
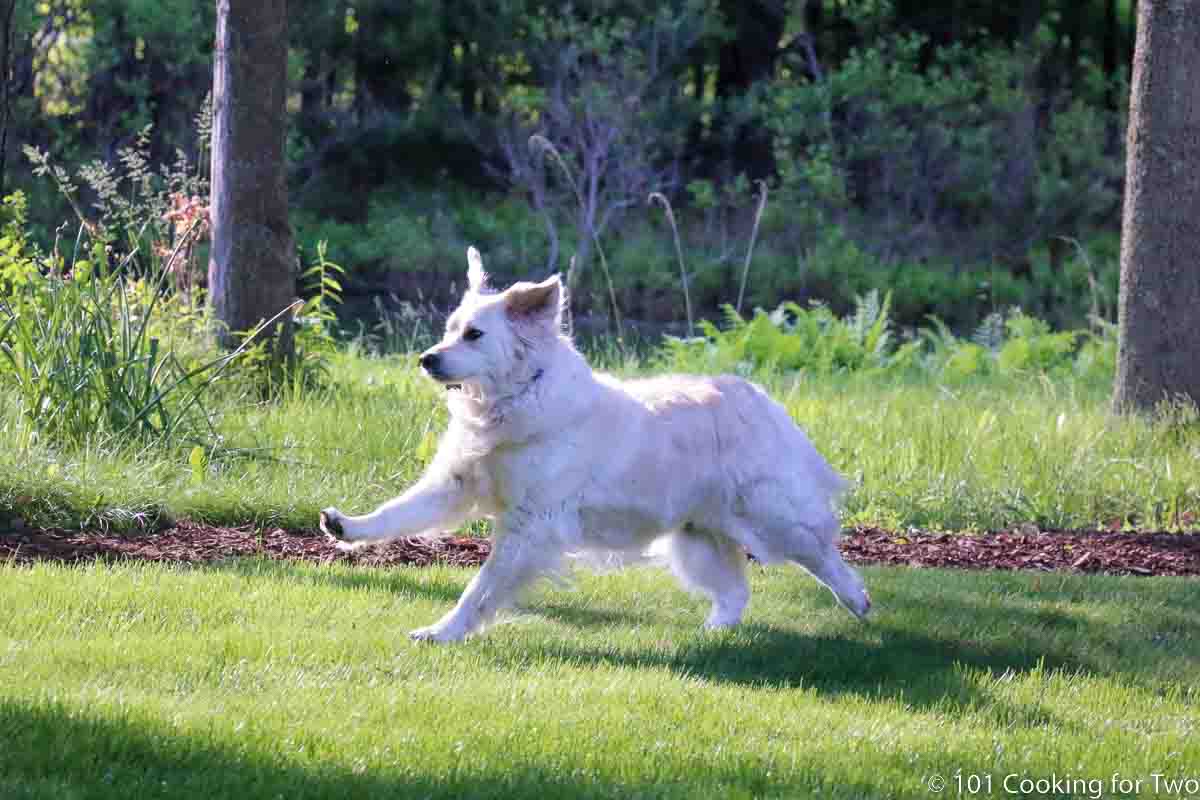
point(967, 156)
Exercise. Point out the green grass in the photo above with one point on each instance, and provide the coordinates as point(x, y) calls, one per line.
point(255, 679)
point(987, 454)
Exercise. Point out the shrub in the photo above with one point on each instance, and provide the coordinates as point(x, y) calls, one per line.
point(815, 340)
point(790, 338)
point(936, 152)
point(80, 349)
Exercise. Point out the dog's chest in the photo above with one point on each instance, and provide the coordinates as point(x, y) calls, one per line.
point(568, 487)
point(533, 475)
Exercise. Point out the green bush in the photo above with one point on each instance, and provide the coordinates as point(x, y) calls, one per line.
point(817, 341)
point(790, 338)
point(944, 152)
point(80, 347)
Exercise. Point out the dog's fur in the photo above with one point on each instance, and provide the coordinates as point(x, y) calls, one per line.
point(565, 460)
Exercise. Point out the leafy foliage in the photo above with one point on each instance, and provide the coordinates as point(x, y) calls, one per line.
point(83, 353)
point(920, 159)
point(815, 340)
point(315, 343)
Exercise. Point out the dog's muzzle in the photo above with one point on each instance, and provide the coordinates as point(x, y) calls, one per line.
point(432, 364)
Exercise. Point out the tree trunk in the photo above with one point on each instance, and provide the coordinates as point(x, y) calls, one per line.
point(6, 35)
point(1112, 51)
point(743, 61)
point(1159, 315)
point(1018, 179)
point(251, 274)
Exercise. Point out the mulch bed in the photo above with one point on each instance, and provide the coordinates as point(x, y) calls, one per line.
point(191, 542)
point(1027, 548)
point(1024, 548)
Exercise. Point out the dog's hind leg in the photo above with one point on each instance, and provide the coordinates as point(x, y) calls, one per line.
point(715, 566)
point(515, 561)
point(819, 556)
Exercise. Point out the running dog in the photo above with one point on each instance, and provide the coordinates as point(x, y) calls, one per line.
point(568, 461)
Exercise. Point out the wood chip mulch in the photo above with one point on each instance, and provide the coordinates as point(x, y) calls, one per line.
point(1024, 548)
point(1027, 548)
point(190, 542)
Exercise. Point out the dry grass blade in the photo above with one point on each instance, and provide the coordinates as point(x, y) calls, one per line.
point(545, 145)
point(762, 204)
point(687, 295)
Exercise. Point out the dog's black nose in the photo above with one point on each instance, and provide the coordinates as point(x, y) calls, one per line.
point(429, 362)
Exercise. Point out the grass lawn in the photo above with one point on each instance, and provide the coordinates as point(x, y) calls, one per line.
point(258, 679)
point(261, 679)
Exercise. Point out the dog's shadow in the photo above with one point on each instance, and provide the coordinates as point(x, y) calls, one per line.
point(919, 671)
point(953, 668)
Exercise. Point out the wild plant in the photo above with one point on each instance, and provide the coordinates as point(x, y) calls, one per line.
point(81, 352)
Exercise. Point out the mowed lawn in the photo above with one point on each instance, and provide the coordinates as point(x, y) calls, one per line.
point(258, 679)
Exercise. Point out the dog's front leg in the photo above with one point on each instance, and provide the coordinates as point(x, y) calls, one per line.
point(518, 557)
point(435, 502)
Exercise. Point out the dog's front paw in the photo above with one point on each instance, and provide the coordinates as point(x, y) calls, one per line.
point(331, 526)
point(331, 523)
point(437, 633)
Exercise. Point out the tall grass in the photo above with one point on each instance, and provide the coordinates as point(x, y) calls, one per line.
point(989, 452)
point(758, 214)
point(662, 200)
point(84, 359)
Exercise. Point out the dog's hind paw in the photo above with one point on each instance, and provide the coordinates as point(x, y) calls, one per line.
point(436, 633)
point(862, 608)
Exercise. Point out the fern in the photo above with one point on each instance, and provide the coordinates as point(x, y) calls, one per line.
point(814, 339)
point(990, 333)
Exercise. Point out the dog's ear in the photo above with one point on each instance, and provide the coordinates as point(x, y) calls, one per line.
point(477, 279)
point(536, 302)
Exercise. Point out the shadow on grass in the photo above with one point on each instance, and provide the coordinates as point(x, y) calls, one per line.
point(942, 652)
point(403, 581)
point(53, 751)
point(922, 672)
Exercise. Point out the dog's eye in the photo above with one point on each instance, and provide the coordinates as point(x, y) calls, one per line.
point(471, 334)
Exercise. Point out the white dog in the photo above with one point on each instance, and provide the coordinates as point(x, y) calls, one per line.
point(565, 460)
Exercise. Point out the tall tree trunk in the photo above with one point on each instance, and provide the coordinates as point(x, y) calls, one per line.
point(251, 274)
point(744, 60)
point(1112, 51)
point(1018, 179)
point(7, 10)
point(1159, 314)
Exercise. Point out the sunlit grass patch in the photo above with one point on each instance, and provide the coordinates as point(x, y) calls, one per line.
point(259, 679)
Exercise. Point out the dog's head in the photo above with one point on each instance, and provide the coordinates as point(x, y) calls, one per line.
point(491, 338)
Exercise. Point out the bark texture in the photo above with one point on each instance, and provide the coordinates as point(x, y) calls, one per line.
point(251, 268)
point(1159, 315)
point(7, 11)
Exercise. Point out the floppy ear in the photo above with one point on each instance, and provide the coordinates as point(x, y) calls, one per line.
point(539, 303)
point(476, 278)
